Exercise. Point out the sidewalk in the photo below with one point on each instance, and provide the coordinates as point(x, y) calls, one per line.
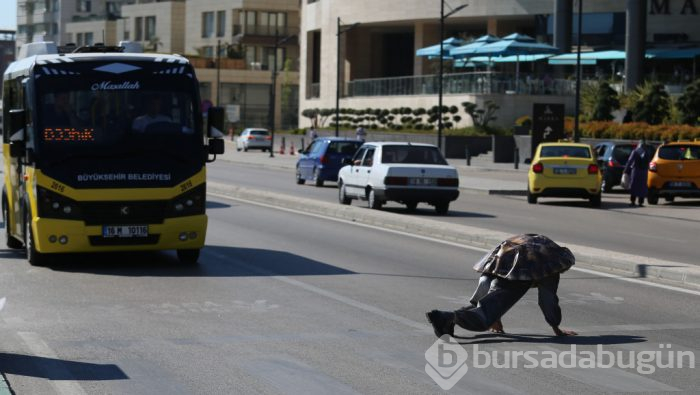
point(482, 176)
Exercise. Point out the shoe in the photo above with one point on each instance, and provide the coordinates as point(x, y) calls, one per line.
point(640, 205)
point(443, 323)
point(631, 204)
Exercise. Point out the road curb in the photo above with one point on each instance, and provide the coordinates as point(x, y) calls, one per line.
point(641, 267)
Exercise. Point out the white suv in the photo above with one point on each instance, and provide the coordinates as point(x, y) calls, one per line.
point(407, 173)
point(254, 139)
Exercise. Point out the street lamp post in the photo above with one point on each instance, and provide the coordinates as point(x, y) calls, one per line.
point(577, 106)
point(273, 90)
point(218, 72)
point(339, 31)
point(443, 16)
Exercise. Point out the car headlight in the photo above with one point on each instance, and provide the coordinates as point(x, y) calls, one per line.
point(192, 202)
point(53, 205)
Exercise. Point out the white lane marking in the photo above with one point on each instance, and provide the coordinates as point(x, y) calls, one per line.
point(345, 221)
point(434, 240)
point(331, 295)
point(637, 281)
point(40, 349)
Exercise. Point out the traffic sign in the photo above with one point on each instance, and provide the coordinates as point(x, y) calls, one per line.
point(547, 123)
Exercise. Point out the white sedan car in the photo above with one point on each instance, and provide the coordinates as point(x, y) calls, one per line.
point(254, 139)
point(403, 172)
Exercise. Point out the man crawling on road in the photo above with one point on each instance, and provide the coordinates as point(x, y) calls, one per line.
point(507, 273)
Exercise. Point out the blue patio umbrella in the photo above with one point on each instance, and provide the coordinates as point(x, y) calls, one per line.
point(468, 49)
point(434, 50)
point(516, 45)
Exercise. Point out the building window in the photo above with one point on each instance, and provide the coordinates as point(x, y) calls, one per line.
point(208, 51)
point(220, 23)
point(138, 28)
point(84, 6)
point(79, 39)
point(150, 27)
point(208, 24)
point(89, 40)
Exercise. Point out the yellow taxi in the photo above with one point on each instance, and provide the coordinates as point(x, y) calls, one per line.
point(564, 169)
point(674, 171)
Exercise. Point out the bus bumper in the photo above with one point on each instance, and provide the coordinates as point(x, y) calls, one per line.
point(173, 233)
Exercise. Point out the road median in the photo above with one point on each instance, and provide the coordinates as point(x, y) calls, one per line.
point(645, 268)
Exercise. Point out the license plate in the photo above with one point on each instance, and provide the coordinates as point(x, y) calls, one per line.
point(679, 184)
point(422, 181)
point(125, 231)
point(565, 170)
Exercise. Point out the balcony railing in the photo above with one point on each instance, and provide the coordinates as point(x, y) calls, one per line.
point(261, 30)
point(313, 91)
point(476, 82)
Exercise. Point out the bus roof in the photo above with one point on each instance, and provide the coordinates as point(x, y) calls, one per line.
point(22, 66)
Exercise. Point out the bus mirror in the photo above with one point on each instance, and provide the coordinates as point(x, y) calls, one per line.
point(17, 149)
point(17, 120)
point(215, 121)
point(216, 146)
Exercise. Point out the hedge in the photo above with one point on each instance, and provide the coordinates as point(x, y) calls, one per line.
point(636, 130)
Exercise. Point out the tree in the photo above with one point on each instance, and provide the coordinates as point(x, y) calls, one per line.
point(599, 101)
point(689, 104)
point(650, 103)
point(481, 116)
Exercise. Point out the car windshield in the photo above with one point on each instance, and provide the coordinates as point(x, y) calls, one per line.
point(680, 152)
point(422, 155)
point(347, 148)
point(566, 151)
point(621, 153)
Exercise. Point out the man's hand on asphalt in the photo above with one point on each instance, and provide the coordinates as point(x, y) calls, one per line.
point(563, 332)
point(497, 327)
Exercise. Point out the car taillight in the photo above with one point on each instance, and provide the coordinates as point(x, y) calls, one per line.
point(395, 180)
point(251, 137)
point(268, 138)
point(323, 159)
point(612, 163)
point(537, 167)
point(592, 169)
point(448, 182)
point(652, 167)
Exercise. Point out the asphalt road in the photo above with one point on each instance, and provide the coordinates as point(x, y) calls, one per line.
point(667, 232)
point(291, 303)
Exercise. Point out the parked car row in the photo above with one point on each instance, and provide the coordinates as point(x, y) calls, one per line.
point(407, 173)
point(567, 169)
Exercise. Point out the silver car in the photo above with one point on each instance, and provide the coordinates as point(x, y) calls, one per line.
point(254, 139)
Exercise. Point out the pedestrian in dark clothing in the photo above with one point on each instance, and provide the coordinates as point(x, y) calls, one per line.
point(508, 272)
point(637, 168)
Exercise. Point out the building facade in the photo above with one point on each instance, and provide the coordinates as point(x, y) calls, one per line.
point(378, 66)
point(232, 44)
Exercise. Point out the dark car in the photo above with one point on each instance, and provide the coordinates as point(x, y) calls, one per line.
point(322, 159)
point(612, 158)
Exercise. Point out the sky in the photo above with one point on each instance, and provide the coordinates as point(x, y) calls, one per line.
point(8, 14)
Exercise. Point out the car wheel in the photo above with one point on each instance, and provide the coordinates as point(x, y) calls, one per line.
point(188, 256)
point(442, 207)
point(238, 149)
point(34, 257)
point(411, 206)
point(342, 194)
point(372, 200)
point(300, 180)
point(245, 149)
point(669, 199)
point(653, 197)
point(318, 181)
point(595, 200)
point(606, 186)
point(531, 197)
